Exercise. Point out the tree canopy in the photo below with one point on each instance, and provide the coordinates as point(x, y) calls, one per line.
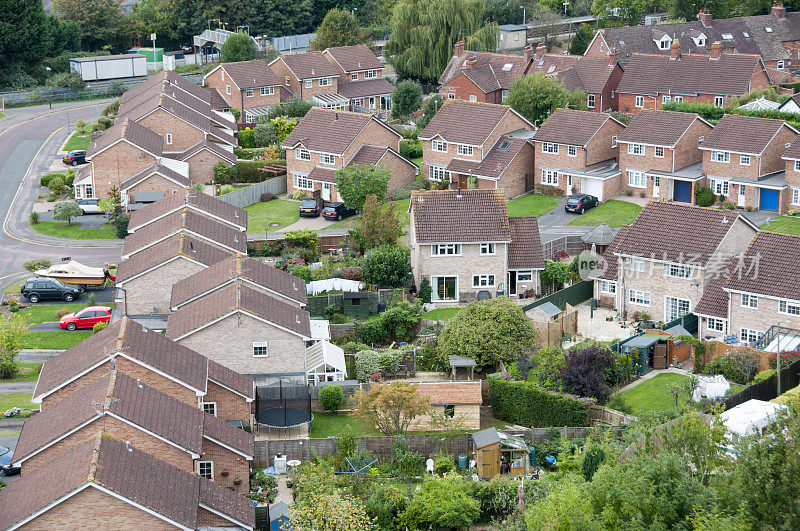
point(536, 96)
point(391, 407)
point(406, 98)
point(354, 183)
point(238, 47)
point(387, 266)
point(66, 211)
point(338, 28)
point(100, 22)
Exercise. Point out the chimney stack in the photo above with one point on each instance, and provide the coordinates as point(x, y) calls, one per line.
point(541, 49)
point(529, 53)
point(613, 56)
point(716, 50)
point(458, 48)
point(675, 50)
point(704, 17)
point(471, 62)
point(779, 11)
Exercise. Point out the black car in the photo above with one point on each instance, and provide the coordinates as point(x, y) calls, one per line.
point(74, 157)
point(6, 460)
point(581, 203)
point(40, 289)
point(311, 207)
point(337, 212)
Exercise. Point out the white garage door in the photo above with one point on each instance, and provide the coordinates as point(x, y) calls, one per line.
point(592, 187)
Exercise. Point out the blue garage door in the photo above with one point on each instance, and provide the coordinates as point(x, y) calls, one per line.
point(683, 191)
point(769, 199)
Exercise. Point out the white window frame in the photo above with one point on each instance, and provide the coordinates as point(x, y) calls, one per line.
point(260, 345)
point(677, 271)
point(608, 286)
point(748, 335)
point(302, 182)
point(779, 65)
point(327, 158)
point(435, 290)
point(572, 151)
point(488, 249)
point(309, 83)
point(665, 99)
point(302, 154)
point(325, 82)
point(228, 90)
point(464, 149)
point(687, 303)
point(639, 102)
point(719, 101)
point(353, 76)
point(438, 173)
point(637, 179)
point(664, 43)
point(797, 165)
point(719, 186)
point(201, 465)
point(524, 276)
point(658, 152)
point(744, 160)
point(249, 93)
point(205, 406)
point(87, 189)
point(677, 99)
point(639, 297)
point(720, 156)
point(749, 301)
point(614, 141)
point(473, 98)
point(267, 91)
point(637, 264)
point(717, 324)
point(438, 146)
point(370, 74)
point(169, 139)
point(446, 249)
point(483, 281)
point(550, 147)
point(549, 177)
point(796, 196)
point(636, 149)
point(590, 101)
point(788, 307)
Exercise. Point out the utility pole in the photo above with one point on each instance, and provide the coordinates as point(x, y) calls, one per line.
point(569, 31)
point(523, 14)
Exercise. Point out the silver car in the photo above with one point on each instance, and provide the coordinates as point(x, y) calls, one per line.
point(89, 206)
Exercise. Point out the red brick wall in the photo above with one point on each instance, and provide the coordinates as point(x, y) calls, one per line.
point(117, 164)
point(402, 173)
point(771, 160)
point(599, 147)
point(598, 48)
point(282, 71)
point(184, 135)
point(154, 183)
point(687, 150)
point(792, 175)
point(73, 386)
point(512, 181)
point(214, 80)
point(45, 456)
point(237, 467)
point(157, 381)
point(206, 518)
point(610, 99)
point(463, 88)
point(374, 134)
point(201, 166)
point(230, 406)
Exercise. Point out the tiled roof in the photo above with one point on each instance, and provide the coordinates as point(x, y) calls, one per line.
point(552, 63)
point(465, 122)
point(714, 301)
point(483, 77)
point(661, 128)
point(566, 126)
point(178, 245)
point(127, 129)
point(367, 154)
point(321, 174)
point(211, 230)
point(495, 162)
point(589, 74)
point(235, 297)
point(441, 393)
point(213, 147)
point(501, 69)
point(168, 80)
point(192, 198)
point(610, 272)
point(134, 341)
point(669, 232)
point(690, 74)
point(771, 261)
point(525, 249)
point(328, 131)
point(481, 213)
point(180, 180)
point(217, 101)
point(354, 58)
point(231, 379)
point(744, 134)
point(792, 152)
point(309, 65)
point(249, 74)
point(228, 434)
point(367, 87)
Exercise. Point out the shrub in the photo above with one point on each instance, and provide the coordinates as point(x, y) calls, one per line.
point(33, 218)
point(246, 138)
point(57, 185)
point(404, 192)
point(306, 238)
point(704, 196)
point(67, 80)
point(34, 265)
point(121, 225)
point(787, 357)
point(91, 300)
point(617, 402)
point(411, 149)
point(331, 397)
point(105, 122)
point(112, 108)
point(297, 107)
point(425, 291)
point(264, 135)
point(739, 365)
point(98, 327)
point(62, 312)
point(385, 503)
point(45, 179)
point(266, 196)
point(763, 375)
point(585, 371)
point(246, 171)
point(396, 323)
point(387, 266)
point(368, 362)
point(442, 503)
point(297, 194)
point(592, 461)
point(527, 405)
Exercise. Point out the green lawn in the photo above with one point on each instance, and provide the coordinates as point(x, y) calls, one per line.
point(327, 424)
point(614, 212)
point(783, 224)
point(13, 289)
point(441, 314)
point(28, 372)
point(77, 141)
point(418, 162)
point(400, 208)
point(2, 115)
point(653, 394)
point(20, 400)
point(40, 313)
point(61, 340)
point(62, 230)
point(260, 215)
point(531, 205)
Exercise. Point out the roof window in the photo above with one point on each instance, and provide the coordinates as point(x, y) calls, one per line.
point(727, 36)
point(504, 145)
point(746, 35)
point(507, 67)
point(768, 29)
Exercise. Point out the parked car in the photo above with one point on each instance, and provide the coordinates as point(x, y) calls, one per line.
point(311, 207)
point(337, 211)
point(6, 458)
point(41, 289)
point(86, 318)
point(89, 206)
point(74, 157)
point(581, 203)
point(187, 48)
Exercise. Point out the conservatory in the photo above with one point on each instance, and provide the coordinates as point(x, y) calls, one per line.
point(325, 363)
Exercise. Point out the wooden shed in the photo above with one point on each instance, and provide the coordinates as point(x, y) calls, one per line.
point(497, 453)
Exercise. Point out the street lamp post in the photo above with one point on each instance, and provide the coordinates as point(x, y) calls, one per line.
point(569, 31)
point(523, 14)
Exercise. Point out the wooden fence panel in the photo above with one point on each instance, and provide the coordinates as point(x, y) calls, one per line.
point(251, 195)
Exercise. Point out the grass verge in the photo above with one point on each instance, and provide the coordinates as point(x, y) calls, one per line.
point(61, 340)
point(62, 230)
point(784, 225)
point(20, 400)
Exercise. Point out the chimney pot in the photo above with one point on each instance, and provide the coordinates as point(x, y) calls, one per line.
point(458, 48)
point(613, 56)
point(716, 50)
point(779, 10)
point(675, 50)
point(541, 49)
point(471, 62)
point(529, 53)
point(704, 17)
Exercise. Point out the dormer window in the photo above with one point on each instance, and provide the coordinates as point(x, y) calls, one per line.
point(664, 43)
point(700, 40)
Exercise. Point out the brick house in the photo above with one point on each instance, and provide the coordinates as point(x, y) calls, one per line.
point(104, 483)
point(576, 152)
point(308, 75)
point(160, 179)
point(742, 159)
point(146, 278)
point(659, 155)
point(486, 142)
point(151, 421)
point(485, 252)
point(605, 277)
point(792, 174)
point(361, 78)
point(179, 83)
point(597, 77)
point(249, 86)
point(245, 330)
point(327, 140)
point(668, 256)
point(204, 204)
point(132, 349)
point(202, 157)
point(651, 80)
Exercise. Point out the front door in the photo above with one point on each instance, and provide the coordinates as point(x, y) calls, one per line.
point(463, 181)
point(326, 191)
point(656, 186)
point(742, 191)
point(569, 184)
point(512, 282)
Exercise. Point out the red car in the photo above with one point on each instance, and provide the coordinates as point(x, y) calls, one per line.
point(86, 318)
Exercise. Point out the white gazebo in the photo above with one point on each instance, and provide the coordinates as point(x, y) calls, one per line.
point(325, 363)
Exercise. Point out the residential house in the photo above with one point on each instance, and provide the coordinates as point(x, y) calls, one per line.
point(361, 78)
point(460, 401)
point(327, 140)
point(246, 330)
point(484, 143)
point(664, 261)
point(742, 159)
point(486, 253)
point(597, 77)
point(310, 75)
point(249, 86)
point(106, 483)
point(202, 157)
point(652, 80)
point(792, 174)
point(151, 421)
point(151, 184)
point(146, 278)
point(775, 37)
point(132, 349)
point(659, 155)
point(177, 82)
point(576, 152)
point(790, 105)
point(606, 274)
point(204, 204)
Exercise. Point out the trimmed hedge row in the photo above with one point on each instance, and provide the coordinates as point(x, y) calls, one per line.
point(526, 404)
point(713, 113)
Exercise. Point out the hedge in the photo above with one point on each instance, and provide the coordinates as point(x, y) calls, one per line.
point(713, 113)
point(526, 404)
point(247, 170)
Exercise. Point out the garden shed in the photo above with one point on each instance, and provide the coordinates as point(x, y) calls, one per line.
point(325, 363)
point(357, 304)
point(599, 238)
point(499, 453)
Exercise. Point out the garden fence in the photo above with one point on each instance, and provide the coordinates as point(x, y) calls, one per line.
point(317, 303)
point(569, 244)
point(767, 389)
point(574, 295)
point(43, 95)
point(244, 197)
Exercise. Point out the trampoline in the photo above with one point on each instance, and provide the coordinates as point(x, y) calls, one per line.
point(283, 402)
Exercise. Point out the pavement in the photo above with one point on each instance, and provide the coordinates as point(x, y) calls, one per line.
point(17, 387)
point(51, 326)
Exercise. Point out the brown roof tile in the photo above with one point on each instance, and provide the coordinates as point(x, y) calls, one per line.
point(249, 74)
point(364, 88)
point(354, 58)
point(442, 393)
point(792, 152)
point(481, 213)
point(744, 134)
point(309, 65)
point(231, 379)
point(465, 122)
point(525, 249)
point(610, 259)
point(367, 154)
point(213, 147)
point(769, 267)
point(220, 431)
point(496, 160)
point(181, 181)
point(552, 63)
point(325, 175)
point(227, 502)
point(660, 128)
point(204, 203)
point(589, 74)
point(328, 131)
point(566, 126)
point(127, 129)
point(490, 71)
point(714, 301)
point(238, 267)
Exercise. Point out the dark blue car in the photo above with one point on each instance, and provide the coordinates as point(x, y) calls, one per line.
point(6, 458)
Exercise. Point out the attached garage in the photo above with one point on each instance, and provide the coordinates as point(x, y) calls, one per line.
point(682, 191)
point(768, 199)
point(592, 187)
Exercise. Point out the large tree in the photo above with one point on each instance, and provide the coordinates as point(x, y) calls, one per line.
point(536, 96)
point(379, 224)
point(338, 28)
point(358, 181)
point(155, 16)
point(629, 11)
point(424, 32)
point(392, 407)
point(101, 22)
point(406, 98)
point(24, 35)
point(238, 47)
